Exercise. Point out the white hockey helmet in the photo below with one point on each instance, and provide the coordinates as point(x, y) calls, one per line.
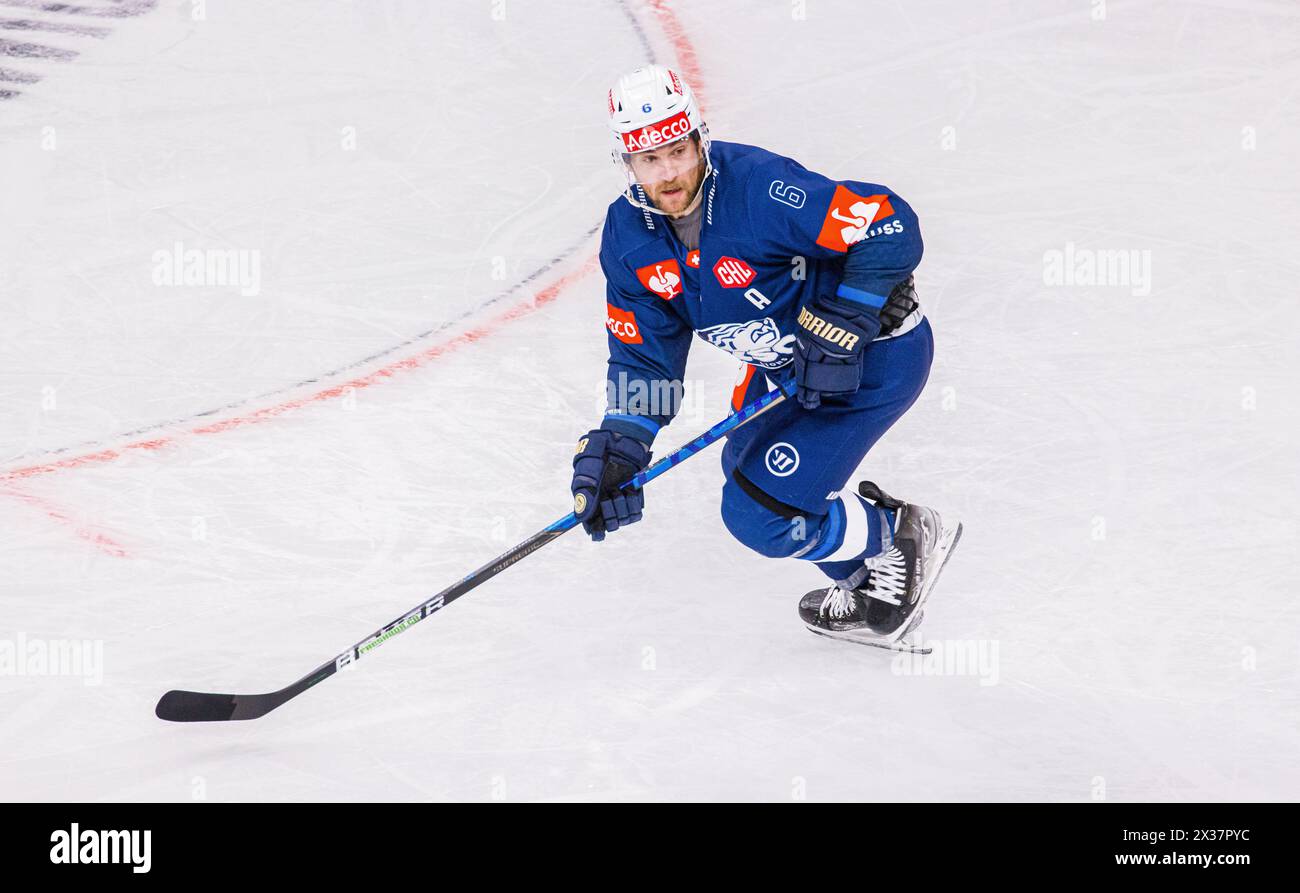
point(649, 108)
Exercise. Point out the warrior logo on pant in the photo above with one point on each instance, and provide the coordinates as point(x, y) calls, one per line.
point(782, 460)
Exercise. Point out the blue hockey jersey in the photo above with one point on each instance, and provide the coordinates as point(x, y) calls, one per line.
point(774, 236)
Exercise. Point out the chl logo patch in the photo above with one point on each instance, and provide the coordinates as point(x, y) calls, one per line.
point(782, 460)
point(663, 278)
point(622, 324)
point(850, 216)
point(732, 272)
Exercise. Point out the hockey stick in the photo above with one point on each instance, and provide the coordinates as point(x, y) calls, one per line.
point(194, 706)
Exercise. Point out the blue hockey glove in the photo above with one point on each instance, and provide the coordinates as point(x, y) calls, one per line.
point(829, 341)
point(602, 463)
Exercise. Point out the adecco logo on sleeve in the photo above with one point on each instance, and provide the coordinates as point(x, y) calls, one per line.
point(622, 324)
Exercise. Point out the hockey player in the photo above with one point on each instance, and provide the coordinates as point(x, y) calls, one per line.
point(800, 277)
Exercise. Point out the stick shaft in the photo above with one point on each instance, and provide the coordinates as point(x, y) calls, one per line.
point(189, 706)
point(557, 528)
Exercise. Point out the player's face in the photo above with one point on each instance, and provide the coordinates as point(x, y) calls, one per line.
point(670, 175)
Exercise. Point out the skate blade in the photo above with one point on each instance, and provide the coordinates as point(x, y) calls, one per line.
point(943, 549)
point(873, 642)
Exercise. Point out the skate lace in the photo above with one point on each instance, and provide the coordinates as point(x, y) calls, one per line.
point(888, 579)
point(838, 603)
point(887, 583)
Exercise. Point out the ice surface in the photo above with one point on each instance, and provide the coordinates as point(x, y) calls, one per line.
point(225, 489)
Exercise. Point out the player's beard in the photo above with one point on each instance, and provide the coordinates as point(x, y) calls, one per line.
point(674, 196)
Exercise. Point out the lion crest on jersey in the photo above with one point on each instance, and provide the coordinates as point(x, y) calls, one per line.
point(757, 341)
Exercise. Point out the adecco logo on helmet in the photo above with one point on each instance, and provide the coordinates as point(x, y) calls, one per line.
point(622, 324)
point(652, 135)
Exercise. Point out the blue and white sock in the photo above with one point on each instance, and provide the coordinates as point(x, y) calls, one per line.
point(852, 531)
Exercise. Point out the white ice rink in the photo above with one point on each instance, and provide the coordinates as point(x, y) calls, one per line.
point(222, 486)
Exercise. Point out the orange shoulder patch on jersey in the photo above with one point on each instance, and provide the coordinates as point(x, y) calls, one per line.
point(622, 324)
point(663, 279)
point(850, 216)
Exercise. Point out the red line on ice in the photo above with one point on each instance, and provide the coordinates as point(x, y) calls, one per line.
point(414, 361)
point(683, 49)
point(100, 540)
point(689, 65)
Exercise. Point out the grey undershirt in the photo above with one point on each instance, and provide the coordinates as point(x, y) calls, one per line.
point(687, 227)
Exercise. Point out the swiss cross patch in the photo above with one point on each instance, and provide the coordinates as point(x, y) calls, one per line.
point(663, 278)
point(850, 216)
point(622, 324)
point(732, 272)
point(693, 258)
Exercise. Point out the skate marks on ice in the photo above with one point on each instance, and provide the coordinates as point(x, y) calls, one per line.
point(49, 32)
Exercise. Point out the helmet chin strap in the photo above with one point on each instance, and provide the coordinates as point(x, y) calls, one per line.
point(699, 196)
point(645, 206)
point(694, 203)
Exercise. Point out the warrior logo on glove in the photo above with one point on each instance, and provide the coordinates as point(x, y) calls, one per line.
point(832, 334)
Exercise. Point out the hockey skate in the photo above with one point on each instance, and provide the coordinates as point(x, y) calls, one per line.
point(886, 606)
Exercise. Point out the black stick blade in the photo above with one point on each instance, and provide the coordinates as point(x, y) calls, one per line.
point(195, 706)
point(198, 706)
